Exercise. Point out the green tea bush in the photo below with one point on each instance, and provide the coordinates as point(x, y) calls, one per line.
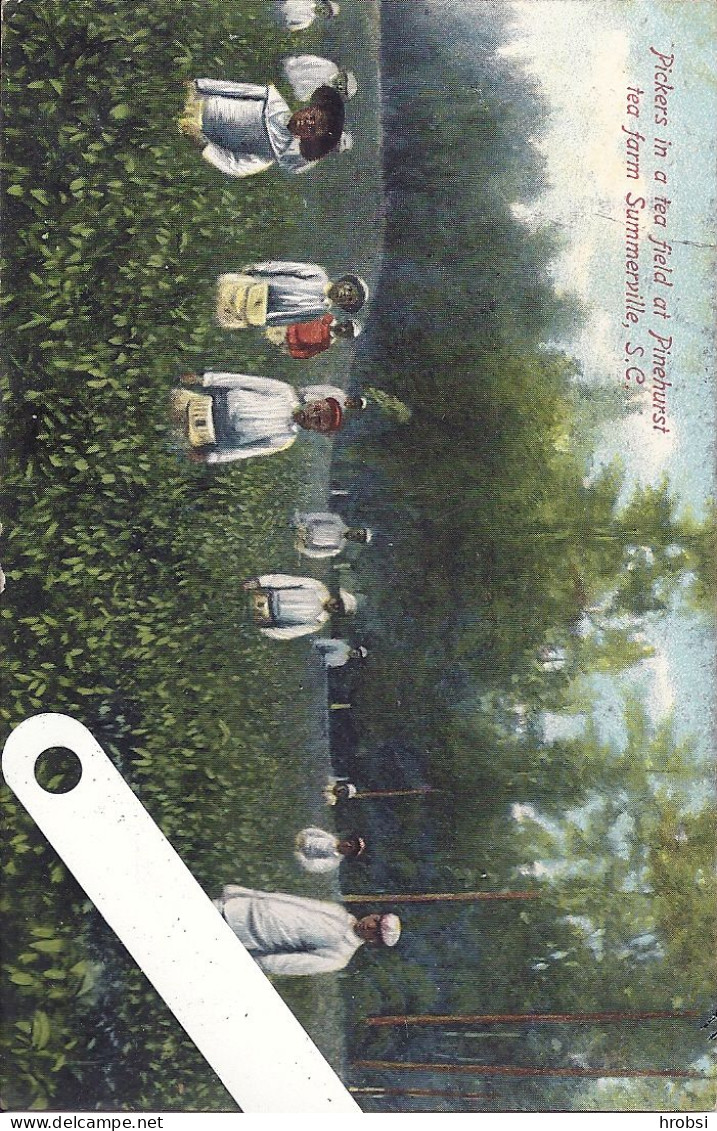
point(124, 606)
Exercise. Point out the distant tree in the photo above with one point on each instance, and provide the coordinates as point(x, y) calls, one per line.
point(602, 858)
point(680, 871)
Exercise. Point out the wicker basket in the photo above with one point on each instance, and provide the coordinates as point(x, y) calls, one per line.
point(242, 301)
point(200, 422)
point(261, 612)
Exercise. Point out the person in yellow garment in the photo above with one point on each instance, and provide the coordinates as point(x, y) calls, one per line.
point(290, 934)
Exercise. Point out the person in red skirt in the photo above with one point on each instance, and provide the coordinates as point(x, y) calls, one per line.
point(302, 340)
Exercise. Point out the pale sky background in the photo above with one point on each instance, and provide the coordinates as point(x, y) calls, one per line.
point(585, 53)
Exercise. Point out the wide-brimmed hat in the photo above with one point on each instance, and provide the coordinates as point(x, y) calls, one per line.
point(349, 602)
point(390, 929)
point(336, 418)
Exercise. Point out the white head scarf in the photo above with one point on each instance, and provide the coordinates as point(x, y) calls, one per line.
point(390, 928)
point(348, 601)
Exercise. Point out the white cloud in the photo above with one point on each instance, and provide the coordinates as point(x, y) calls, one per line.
point(521, 812)
point(558, 728)
point(660, 698)
point(651, 449)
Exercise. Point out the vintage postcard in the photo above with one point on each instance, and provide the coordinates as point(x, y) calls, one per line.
point(359, 499)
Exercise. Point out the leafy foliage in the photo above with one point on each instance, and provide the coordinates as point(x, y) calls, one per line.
point(123, 606)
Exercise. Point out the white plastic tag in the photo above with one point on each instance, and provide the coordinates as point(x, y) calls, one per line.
point(171, 928)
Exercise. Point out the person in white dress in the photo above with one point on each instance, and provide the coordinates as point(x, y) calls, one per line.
point(319, 851)
point(244, 128)
point(289, 934)
point(306, 73)
point(321, 534)
point(337, 653)
point(297, 15)
point(237, 416)
point(286, 607)
point(292, 292)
